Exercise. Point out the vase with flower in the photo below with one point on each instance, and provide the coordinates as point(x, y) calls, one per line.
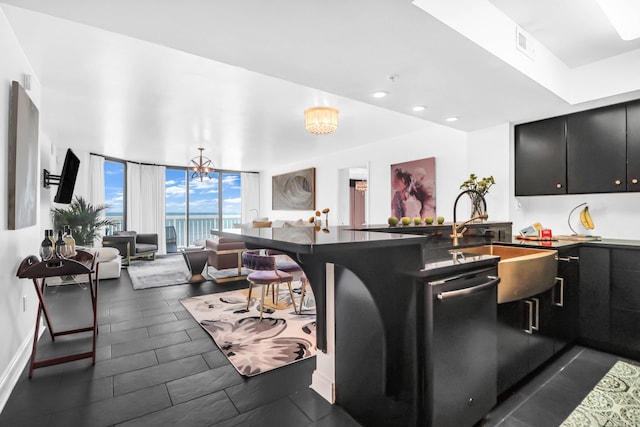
point(480, 187)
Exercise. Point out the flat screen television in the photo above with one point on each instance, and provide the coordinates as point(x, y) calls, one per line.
point(67, 178)
point(66, 181)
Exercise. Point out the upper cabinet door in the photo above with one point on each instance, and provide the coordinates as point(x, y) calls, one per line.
point(540, 157)
point(633, 147)
point(596, 151)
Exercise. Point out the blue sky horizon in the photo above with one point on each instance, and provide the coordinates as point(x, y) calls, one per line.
point(203, 195)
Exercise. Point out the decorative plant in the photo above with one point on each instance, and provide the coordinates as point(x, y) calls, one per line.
point(482, 186)
point(84, 219)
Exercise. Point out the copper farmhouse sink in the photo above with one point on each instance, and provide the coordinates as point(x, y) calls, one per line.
point(524, 272)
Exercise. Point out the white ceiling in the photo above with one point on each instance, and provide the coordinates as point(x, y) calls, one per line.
point(153, 80)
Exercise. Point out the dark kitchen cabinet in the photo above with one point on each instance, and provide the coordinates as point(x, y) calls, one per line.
point(525, 337)
point(513, 344)
point(596, 150)
point(539, 312)
point(633, 146)
point(541, 146)
point(594, 294)
point(625, 299)
point(565, 299)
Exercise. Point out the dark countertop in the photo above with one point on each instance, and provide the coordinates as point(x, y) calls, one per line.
point(308, 240)
point(565, 244)
point(433, 238)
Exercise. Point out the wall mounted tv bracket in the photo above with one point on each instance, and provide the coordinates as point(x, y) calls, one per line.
point(48, 179)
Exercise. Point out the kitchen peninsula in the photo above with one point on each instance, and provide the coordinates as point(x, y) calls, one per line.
point(367, 288)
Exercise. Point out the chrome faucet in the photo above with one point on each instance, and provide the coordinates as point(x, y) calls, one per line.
point(456, 233)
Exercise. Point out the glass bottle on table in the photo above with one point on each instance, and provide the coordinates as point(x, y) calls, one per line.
point(60, 252)
point(53, 240)
point(69, 242)
point(46, 248)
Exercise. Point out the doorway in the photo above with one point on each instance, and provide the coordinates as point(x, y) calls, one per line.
point(357, 189)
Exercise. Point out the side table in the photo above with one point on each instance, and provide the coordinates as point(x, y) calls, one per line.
point(32, 268)
point(196, 260)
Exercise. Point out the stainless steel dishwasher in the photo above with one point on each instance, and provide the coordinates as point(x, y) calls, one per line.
point(460, 347)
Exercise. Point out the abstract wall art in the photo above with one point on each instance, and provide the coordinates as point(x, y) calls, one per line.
point(413, 188)
point(23, 160)
point(294, 190)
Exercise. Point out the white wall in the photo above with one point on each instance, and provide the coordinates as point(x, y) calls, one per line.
point(447, 145)
point(17, 323)
point(489, 156)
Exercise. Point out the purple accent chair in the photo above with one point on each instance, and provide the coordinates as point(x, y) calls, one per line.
point(265, 274)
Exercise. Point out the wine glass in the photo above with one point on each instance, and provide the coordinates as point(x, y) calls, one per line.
point(46, 253)
point(66, 251)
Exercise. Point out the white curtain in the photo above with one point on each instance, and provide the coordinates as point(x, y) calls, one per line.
point(146, 201)
point(96, 187)
point(250, 183)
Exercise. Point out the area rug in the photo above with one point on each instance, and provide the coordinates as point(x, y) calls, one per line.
point(162, 271)
point(615, 400)
point(253, 346)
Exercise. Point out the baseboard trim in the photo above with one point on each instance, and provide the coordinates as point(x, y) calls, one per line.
point(324, 386)
point(11, 375)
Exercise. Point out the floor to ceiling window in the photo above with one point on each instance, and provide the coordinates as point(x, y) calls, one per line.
point(114, 191)
point(176, 205)
point(231, 200)
point(203, 204)
point(193, 207)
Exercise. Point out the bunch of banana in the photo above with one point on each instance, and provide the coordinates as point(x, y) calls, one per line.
point(585, 219)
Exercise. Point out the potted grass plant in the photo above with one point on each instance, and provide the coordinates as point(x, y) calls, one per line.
point(84, 219)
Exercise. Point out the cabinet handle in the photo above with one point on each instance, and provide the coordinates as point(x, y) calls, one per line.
point(617, 182)
point(569, 258)
point(529, 328)
point(537, 315)
point(634, 181)
point(560, 281)
point(558, 185)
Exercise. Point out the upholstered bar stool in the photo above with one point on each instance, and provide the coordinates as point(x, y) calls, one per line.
point(266, 275)
point(292, 267)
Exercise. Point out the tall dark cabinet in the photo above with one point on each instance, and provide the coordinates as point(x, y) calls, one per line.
point(633, 146)
point(596, 151)
point(540, 157)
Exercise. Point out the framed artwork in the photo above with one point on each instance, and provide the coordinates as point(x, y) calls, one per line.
point(413, 188)
point(23, 160)
point(294, 190)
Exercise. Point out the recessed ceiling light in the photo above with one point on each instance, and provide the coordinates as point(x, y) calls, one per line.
point(379, 94)
point(452, 119)
point(418, 108)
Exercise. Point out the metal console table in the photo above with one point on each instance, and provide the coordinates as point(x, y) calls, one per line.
point(83, 263)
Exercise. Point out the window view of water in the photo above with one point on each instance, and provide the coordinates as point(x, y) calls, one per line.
point(192, 204)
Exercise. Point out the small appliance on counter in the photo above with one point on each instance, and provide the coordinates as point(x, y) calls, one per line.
point(536, 232)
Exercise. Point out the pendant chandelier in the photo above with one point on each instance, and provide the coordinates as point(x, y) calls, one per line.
point(321, 120)
point(201, 166)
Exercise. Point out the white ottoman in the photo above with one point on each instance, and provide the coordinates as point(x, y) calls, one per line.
point(110, 263)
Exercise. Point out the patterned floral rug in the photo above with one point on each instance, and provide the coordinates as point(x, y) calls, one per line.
point(251, 345)
point(615, 400)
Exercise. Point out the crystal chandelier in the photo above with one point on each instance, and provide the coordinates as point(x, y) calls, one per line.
point(321, 120)
point(201, 166)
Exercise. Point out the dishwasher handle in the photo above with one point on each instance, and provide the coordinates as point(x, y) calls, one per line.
point(467, 291)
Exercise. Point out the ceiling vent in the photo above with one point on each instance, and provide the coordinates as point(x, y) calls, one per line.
point(525, 43)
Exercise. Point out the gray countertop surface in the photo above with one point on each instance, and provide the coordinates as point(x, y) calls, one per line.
point(311, 240)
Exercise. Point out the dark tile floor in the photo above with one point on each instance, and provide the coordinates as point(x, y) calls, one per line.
point(156, 366)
